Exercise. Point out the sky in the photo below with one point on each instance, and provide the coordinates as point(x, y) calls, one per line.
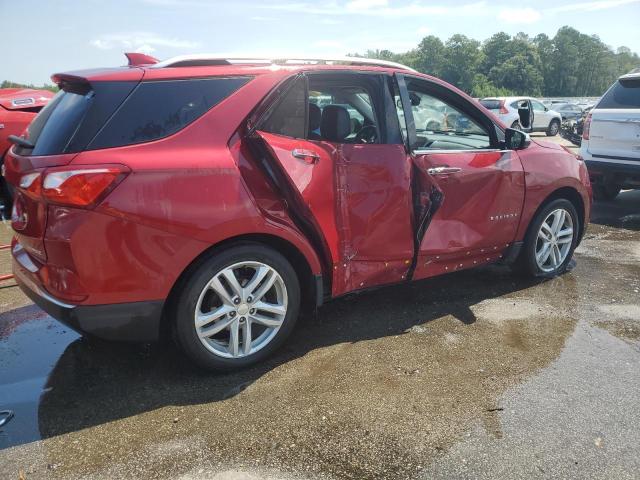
point(42, 37)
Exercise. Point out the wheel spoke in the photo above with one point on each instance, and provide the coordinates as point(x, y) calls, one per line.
point(266, 285)
point(555, 256)
point(217, 287)
point(215, 328)
point(258, 276)
point(204, 318)
point(558, 221)
point(246, 336)
point(266, 321)
point(547, 229)
point(543, 254)
point(231, 279)
point(544, 236)
point(233, 339)
point(270, 307)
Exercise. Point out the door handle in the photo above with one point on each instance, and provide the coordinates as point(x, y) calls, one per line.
point(308, 156)
point(443, 170)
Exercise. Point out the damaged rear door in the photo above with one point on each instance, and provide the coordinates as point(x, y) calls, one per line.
point(343, 173)
point(468, 192)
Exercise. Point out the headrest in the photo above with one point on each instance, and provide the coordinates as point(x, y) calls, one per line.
point(315, 117)
point(335, 125)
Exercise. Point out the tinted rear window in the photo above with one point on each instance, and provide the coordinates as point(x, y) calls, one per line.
point(158, 109)
point(623, 94)
point(73, 117)
point(490, 104)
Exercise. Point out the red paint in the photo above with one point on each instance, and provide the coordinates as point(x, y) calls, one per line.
point(18, 106)
point(204, 185)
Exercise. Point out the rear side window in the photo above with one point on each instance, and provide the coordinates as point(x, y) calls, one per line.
point(624, 94)
point(158, 109)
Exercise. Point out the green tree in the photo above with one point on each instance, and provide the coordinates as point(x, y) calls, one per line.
point(462, 57)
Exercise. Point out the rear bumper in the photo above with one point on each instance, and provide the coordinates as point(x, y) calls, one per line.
point(131, 322)
point(602, 167)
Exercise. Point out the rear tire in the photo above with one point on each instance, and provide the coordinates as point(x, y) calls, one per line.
point(516, 125)
point(548, 248)
point(214, 316)
point(554, 128)
point(605, 192)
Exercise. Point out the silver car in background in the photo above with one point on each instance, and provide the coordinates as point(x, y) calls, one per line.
point(524, 113)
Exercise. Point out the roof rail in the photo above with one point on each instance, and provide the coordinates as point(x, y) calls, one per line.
point(210, 60)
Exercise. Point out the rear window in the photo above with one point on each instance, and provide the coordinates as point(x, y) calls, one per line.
point(74, 120)
point(158, 109)
point(623, 94)
point(491, 104)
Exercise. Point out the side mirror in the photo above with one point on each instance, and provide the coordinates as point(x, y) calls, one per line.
point(515, 139)
point(546, 109)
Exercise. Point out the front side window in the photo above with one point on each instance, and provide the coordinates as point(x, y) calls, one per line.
point(442, 126)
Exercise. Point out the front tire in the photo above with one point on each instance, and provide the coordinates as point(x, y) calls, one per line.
point(554, 128)
point(550, 240)
point(237, 307)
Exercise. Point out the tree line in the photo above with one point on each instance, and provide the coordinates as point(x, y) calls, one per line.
point(8, 84)
point(571, 64)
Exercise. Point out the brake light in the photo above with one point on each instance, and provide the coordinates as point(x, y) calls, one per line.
point(503, 109)
point(81, 187)
point(586, 127)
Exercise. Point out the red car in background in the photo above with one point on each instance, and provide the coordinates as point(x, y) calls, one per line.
point(214, 198)
point(18, 106)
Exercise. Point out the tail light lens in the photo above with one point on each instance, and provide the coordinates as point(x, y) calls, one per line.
point(73, 186)
point(81, 187)
point(586, 127)
point(503, 109)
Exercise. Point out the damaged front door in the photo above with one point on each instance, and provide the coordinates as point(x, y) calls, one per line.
point(468, 192)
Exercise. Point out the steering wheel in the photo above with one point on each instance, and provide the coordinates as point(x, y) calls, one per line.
point(367, 134)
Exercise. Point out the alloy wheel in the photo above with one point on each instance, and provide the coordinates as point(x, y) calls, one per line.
point(241, 309)
point(554, 241)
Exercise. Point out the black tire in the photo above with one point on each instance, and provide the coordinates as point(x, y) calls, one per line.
point(516, 125)
point(185, 305)
point(605, 192)
point(527, 263)
point(554, 128)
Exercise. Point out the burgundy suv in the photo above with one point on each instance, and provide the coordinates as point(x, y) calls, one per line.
point(214, 198)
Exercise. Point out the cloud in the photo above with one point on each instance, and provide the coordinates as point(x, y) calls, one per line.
point(381, 8)
point(591, 6)
point(140, 42)
point(519, 15)
point(423, 31)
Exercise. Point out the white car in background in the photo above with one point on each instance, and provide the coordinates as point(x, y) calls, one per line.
point(524, 113)
point(611, 139)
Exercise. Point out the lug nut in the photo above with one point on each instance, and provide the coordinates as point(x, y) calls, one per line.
point(233, 314)
point(249, 299)
point(242, 319)
point(252, 311)
point(236, 301)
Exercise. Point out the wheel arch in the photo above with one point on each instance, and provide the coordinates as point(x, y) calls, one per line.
point(568, 193)
point(312, 286)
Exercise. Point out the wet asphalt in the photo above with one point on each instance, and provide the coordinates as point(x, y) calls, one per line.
point(478, 374)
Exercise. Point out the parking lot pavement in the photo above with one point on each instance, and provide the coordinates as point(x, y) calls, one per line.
point(478, 374)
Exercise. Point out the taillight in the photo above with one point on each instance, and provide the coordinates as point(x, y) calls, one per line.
point(585, 127)
point(81, 187)
point(31, 184)
point(503, 109)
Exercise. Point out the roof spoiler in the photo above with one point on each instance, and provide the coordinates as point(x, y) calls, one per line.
point(139, 59)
